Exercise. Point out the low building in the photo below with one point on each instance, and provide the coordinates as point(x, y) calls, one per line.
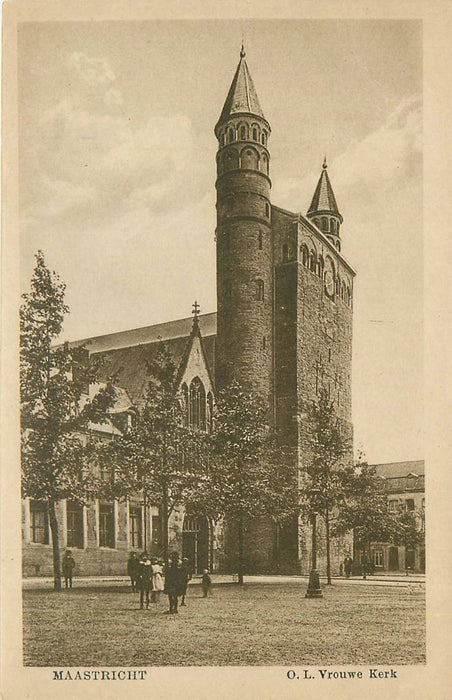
point(404, 485)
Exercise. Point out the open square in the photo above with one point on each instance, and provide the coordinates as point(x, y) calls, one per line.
point(257, 624)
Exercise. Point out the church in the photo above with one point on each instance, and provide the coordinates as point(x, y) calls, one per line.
point(283, 329)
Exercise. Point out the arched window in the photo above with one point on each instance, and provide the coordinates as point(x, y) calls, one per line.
point(349, 296)
point(231, 159)
point(267, 209)
point(260, 240)
point(243, 133)
point(249, 158)
point(185, 406)
point(255, 138)
point(264, 138)
point(320, 267)
point(209, 412)
point(197, 404)
point(223, 139)
point(317, 222)
point(285, 253)
point(231, 135)
point(312, 262)
point(324, 223)
point(264, 164)
point(333, 226)
point(260, 290)
point(343, 291)
point(304, 256)
point(338, 285)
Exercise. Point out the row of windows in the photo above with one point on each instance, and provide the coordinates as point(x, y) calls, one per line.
point(197, 406)
point(327, 225)
point(316, 264)
point(75, 531)
point(243, 132)
point(247, 159)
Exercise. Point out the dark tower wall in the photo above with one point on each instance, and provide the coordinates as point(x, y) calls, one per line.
point(244, 346)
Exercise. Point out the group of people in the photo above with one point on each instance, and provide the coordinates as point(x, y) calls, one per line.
point(149, 576)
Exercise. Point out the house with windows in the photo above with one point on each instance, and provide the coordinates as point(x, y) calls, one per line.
point(404, 485)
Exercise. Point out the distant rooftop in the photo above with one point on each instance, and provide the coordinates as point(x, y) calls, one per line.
point(394, 470)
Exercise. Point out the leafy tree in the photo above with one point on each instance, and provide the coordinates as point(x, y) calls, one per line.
point(246, 474)
point(328, 449)
point(155, 457)
point(407, 532)
point(55, 411)
point(364, 509)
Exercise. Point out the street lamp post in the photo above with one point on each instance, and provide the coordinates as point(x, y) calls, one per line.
point(314, 588)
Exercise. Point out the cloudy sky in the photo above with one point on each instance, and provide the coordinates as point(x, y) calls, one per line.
point(117, 173)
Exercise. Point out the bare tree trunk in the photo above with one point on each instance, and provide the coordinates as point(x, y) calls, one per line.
point(240, 551)
point(55, 546)
point(328, 546)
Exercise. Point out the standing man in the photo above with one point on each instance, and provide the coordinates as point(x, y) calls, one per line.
point(133, 566)
point(68, 566)
point(187, 574)
point(144, 579)
point(348, 566)
point(174, 582)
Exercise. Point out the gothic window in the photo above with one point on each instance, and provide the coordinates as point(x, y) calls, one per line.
point(260, 240)
point(231, 135)
point(260, 290)
point(184, 391)
point(285, 253)
point(267, 209)
point(305, 256)
point(39, 522)
point(324, 223)
point(74, 524)
point(135, 527)
point(210, 412)
point(197, 404)
point(106, 525)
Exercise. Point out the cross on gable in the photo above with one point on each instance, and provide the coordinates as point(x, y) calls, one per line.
point(196, 310)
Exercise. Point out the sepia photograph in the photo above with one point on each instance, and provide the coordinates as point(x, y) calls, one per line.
point(221, 346)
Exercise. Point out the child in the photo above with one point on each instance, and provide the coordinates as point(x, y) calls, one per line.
point(206, 583)
point(68, 566)
point(157, 580)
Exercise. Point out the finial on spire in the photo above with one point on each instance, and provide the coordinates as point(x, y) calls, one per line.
point(242, 51)
point(324, 166)
point(195, 312)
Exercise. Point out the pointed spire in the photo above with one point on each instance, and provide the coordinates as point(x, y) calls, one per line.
point(324, 199)
point(242, 96)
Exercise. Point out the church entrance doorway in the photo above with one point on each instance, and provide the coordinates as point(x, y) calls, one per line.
point(195, 542)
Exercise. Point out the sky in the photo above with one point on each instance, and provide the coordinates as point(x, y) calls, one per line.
point(117, 177)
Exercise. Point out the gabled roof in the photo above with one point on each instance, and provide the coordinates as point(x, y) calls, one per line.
point(324, 199)
point(242, 96)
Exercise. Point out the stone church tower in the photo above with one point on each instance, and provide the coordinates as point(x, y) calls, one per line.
point(284, 294)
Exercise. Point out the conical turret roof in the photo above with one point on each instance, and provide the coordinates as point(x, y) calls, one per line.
point(242, 95)
point(324, 199)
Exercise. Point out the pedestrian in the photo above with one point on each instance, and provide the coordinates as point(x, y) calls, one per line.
point(174, 582)
point(144, 579)
point(157, 580)
point(187, 573)
point(341, 569)
point(133, 567)
point(206, 583)
point(348, 563)
point(68, 566)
